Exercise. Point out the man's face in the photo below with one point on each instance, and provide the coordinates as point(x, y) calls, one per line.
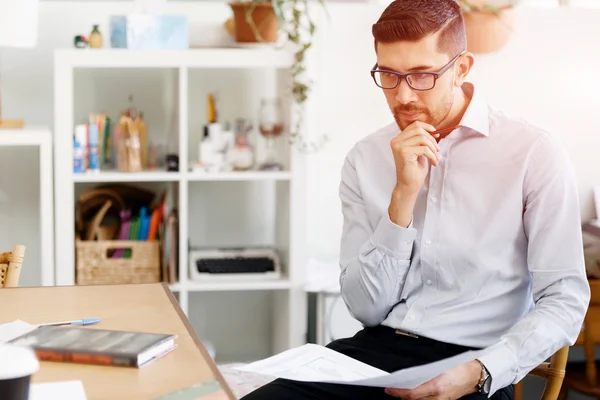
point(407, 104)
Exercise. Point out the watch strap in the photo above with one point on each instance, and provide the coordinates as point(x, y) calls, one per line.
point(482, 384)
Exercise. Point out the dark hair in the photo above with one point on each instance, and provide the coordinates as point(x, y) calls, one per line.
point(413, 20)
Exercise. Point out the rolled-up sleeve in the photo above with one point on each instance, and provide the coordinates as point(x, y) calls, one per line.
point(556, 262)
point(374, 260)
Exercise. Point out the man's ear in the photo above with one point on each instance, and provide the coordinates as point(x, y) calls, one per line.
point(463, 67)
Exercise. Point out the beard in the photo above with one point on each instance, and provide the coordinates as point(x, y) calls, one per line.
point(430, 116)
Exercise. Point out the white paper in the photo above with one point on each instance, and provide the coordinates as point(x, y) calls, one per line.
point(64, 390)
point(314, 363)
point(14, 329)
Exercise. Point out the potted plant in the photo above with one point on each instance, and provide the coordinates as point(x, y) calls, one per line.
point(265, 21)
point(488, 24)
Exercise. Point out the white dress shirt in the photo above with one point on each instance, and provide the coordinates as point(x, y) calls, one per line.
point(493, 257)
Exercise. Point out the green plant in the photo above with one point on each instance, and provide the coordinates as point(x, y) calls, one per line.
point(299, 28)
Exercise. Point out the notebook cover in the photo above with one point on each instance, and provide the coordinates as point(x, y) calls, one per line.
point(90, 346)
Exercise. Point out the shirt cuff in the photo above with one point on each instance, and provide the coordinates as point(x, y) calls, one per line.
point(500, 363)
point(394, 240)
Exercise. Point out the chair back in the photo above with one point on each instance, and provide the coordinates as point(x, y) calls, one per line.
point(10, 266)
point(553, 372)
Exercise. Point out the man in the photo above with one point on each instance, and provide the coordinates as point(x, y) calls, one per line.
point(468, 241)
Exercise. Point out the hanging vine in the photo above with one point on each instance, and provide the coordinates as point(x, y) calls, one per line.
point(299, 28)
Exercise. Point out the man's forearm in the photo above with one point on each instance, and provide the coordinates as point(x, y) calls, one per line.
point(401, 207)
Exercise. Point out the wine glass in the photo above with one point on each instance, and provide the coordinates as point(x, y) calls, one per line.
point(270, 125)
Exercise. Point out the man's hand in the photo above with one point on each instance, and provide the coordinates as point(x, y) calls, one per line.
point(451, 385)
point(413, 150)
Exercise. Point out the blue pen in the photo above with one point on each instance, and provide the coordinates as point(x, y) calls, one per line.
point(85, 321)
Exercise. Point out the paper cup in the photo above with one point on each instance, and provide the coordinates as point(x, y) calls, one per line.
point(17, 365)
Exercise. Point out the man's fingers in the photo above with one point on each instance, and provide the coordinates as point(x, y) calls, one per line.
point(417, 134)
point(422, 140)
point(427, 391)
point(426, 152)
point(424, 125)
point(408, 133)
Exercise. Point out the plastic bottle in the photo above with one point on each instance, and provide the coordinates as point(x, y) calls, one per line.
point(78, 157)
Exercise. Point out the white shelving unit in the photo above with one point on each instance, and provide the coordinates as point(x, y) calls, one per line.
point(42, 139)
point(218, 310)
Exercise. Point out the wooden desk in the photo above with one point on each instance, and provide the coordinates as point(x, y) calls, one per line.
point(146, 308)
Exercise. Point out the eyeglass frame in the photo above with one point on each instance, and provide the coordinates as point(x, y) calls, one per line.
point(436, 74)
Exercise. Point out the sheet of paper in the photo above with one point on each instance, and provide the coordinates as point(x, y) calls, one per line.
point(63, 390)
point(14, 329)
point(313, 363)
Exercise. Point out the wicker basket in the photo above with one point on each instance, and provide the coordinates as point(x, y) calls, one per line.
point(94, 266)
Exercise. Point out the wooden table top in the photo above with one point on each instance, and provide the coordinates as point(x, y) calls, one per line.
point(141, 307)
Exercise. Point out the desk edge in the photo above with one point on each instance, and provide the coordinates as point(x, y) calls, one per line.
point(192, 332)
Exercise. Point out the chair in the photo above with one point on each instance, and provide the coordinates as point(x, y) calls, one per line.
point(10, 266)
point(553, 372)
point(582, 377)
point(578, 376)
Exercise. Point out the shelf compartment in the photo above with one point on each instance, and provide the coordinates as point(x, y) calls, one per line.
point(223, 318)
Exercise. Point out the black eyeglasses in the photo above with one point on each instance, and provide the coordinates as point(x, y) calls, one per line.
point(417, 80)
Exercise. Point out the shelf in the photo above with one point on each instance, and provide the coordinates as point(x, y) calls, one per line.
point(223, 57)
point(214, 209)
point(25, 137)
point(240, 176)
point(274, 284)
point(109, 176)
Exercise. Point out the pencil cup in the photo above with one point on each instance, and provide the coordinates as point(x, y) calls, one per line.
point(17, 365)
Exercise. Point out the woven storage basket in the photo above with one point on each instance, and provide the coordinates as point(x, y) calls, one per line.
point(94, 266)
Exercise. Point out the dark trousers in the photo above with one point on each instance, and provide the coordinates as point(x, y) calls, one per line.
point(380, 347)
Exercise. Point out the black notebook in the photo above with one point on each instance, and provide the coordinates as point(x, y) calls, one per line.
point(96, 346)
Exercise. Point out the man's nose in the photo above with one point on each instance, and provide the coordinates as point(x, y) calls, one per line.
point(404, 93)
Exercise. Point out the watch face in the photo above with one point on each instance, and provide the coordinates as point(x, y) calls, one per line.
point(487, 385)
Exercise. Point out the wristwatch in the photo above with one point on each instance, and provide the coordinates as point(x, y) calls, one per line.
point(485, 380)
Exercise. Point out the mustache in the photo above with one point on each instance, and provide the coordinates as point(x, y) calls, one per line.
point(408, 109)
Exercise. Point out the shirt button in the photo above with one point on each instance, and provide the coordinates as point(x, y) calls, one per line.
point(428, 241)
point(428, 282)
point(411, 317)
point(433, 199)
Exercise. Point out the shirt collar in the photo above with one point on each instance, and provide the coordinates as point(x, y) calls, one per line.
point(476, 117)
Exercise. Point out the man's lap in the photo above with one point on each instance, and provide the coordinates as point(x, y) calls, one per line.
point(376, 347)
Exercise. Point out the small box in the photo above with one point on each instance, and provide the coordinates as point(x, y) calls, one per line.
point(149, 32)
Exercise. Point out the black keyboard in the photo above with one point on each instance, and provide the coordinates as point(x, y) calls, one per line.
point(235, 265)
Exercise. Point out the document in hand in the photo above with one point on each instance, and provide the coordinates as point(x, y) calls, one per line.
point(314, 363)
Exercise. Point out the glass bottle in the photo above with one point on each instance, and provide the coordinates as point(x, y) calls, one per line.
point(270, 126)
point(95, 40)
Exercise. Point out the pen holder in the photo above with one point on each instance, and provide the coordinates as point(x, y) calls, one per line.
point(96, 266)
